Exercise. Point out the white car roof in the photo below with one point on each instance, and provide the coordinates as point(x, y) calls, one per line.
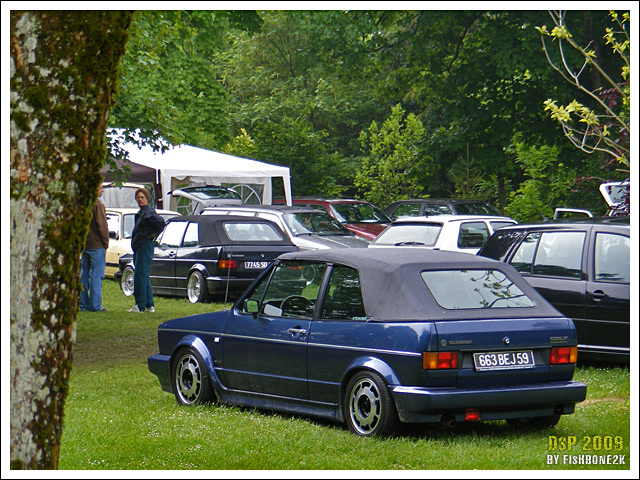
point(452, 218)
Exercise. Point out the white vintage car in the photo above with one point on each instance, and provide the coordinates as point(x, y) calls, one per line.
point(121, 221)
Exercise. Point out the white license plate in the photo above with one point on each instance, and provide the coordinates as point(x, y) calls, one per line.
point(254, 265)
point(503, 360)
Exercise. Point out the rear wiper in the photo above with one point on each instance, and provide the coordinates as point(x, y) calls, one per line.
point(400, 244)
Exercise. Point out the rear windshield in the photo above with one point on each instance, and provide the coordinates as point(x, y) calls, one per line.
point(251, 232)
point(473, 289)
point(411, 234)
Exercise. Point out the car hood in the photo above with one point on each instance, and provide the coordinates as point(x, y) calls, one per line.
point(366, 230)
point(328, 241)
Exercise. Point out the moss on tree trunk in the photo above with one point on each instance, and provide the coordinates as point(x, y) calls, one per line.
point(64, 70)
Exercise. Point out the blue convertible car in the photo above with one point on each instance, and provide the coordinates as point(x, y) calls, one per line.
point(374, 337)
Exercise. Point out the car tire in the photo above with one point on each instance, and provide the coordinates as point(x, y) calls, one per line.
point(191, 381)
point(197, 288)
point(126, 283)
point(368, 407)
point(548, 421)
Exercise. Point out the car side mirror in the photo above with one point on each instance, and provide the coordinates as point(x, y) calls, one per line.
point(252, 306)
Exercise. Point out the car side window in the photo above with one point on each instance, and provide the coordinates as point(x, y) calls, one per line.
point(191, 236)
point(293, 289)
point(499, 224)
point(473, 234)
point(172, 235)
point(523, 258)
point(612, 258)
point(436, 209)
point(343, 299)
point(129, 222)
point(406, 210)
point(113, 222)
point(559, 254)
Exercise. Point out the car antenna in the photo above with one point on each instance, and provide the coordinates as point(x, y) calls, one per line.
point(226, 293)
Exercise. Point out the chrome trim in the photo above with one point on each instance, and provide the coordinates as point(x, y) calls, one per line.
point(317, 345)
point(365, 349)
point(604, 347)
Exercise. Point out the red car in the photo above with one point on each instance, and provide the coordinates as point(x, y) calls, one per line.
point(362, 218)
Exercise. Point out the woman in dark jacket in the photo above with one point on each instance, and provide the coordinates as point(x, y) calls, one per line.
point(148, 224)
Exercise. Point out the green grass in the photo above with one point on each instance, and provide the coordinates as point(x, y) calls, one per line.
point(117, 417)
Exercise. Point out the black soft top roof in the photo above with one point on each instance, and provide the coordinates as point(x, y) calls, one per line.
point(211, 231)
point(393, 289)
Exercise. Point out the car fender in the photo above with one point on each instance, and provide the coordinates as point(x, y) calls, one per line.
point(372, 364)
point(200, 268)
point(196, 343)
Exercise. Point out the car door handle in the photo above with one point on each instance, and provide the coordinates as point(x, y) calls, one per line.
point(297, 331)
point(598, 295)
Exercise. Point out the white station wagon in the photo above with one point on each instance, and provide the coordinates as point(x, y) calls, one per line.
point(460, 233)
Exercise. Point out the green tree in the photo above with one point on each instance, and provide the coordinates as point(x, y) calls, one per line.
point(307, 73)
point(545, 186)
point(603, 126)
point(475, 79)
point(170, 89)
point(389, 167)
point(64, 71)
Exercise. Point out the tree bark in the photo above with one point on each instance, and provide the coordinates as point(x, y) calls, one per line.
point(64, 70)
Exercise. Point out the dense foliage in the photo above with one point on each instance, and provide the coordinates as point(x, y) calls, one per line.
point(312, 89)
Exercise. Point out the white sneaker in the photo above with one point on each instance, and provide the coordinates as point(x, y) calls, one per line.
point(150, 309)
point(134, 309)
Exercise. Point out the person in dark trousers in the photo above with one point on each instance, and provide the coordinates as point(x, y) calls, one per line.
point(93, 260)
point(148, 225)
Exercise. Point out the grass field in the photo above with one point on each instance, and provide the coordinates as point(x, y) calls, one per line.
point(117, 417)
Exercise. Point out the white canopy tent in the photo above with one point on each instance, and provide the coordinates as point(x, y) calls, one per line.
point(187, 165)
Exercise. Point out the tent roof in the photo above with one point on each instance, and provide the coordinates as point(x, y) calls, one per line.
point(186, 161)
point(139, 173)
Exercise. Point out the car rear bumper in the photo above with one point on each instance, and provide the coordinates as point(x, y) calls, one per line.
point(417, 404)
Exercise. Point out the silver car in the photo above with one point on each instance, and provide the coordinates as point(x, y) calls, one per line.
point(308, 228)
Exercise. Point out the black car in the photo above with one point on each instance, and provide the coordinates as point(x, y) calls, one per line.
point(583, 269)
point(437, 206)
point(202, 255)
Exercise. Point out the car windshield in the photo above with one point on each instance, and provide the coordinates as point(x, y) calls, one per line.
point(314, 223)
point(411, 234)
point(461, 289)
point(355, 212)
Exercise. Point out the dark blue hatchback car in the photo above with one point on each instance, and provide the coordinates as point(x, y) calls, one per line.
point(374, 337)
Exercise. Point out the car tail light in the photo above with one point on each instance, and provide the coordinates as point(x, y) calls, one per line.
point(439, 360)
point(471, 415)
point(227, 264)
point(563, 355)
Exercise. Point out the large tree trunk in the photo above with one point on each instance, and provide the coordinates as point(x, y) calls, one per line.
point(64, 69)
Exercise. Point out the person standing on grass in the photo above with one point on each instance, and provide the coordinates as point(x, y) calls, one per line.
point(93, 260)
point(148, 225)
